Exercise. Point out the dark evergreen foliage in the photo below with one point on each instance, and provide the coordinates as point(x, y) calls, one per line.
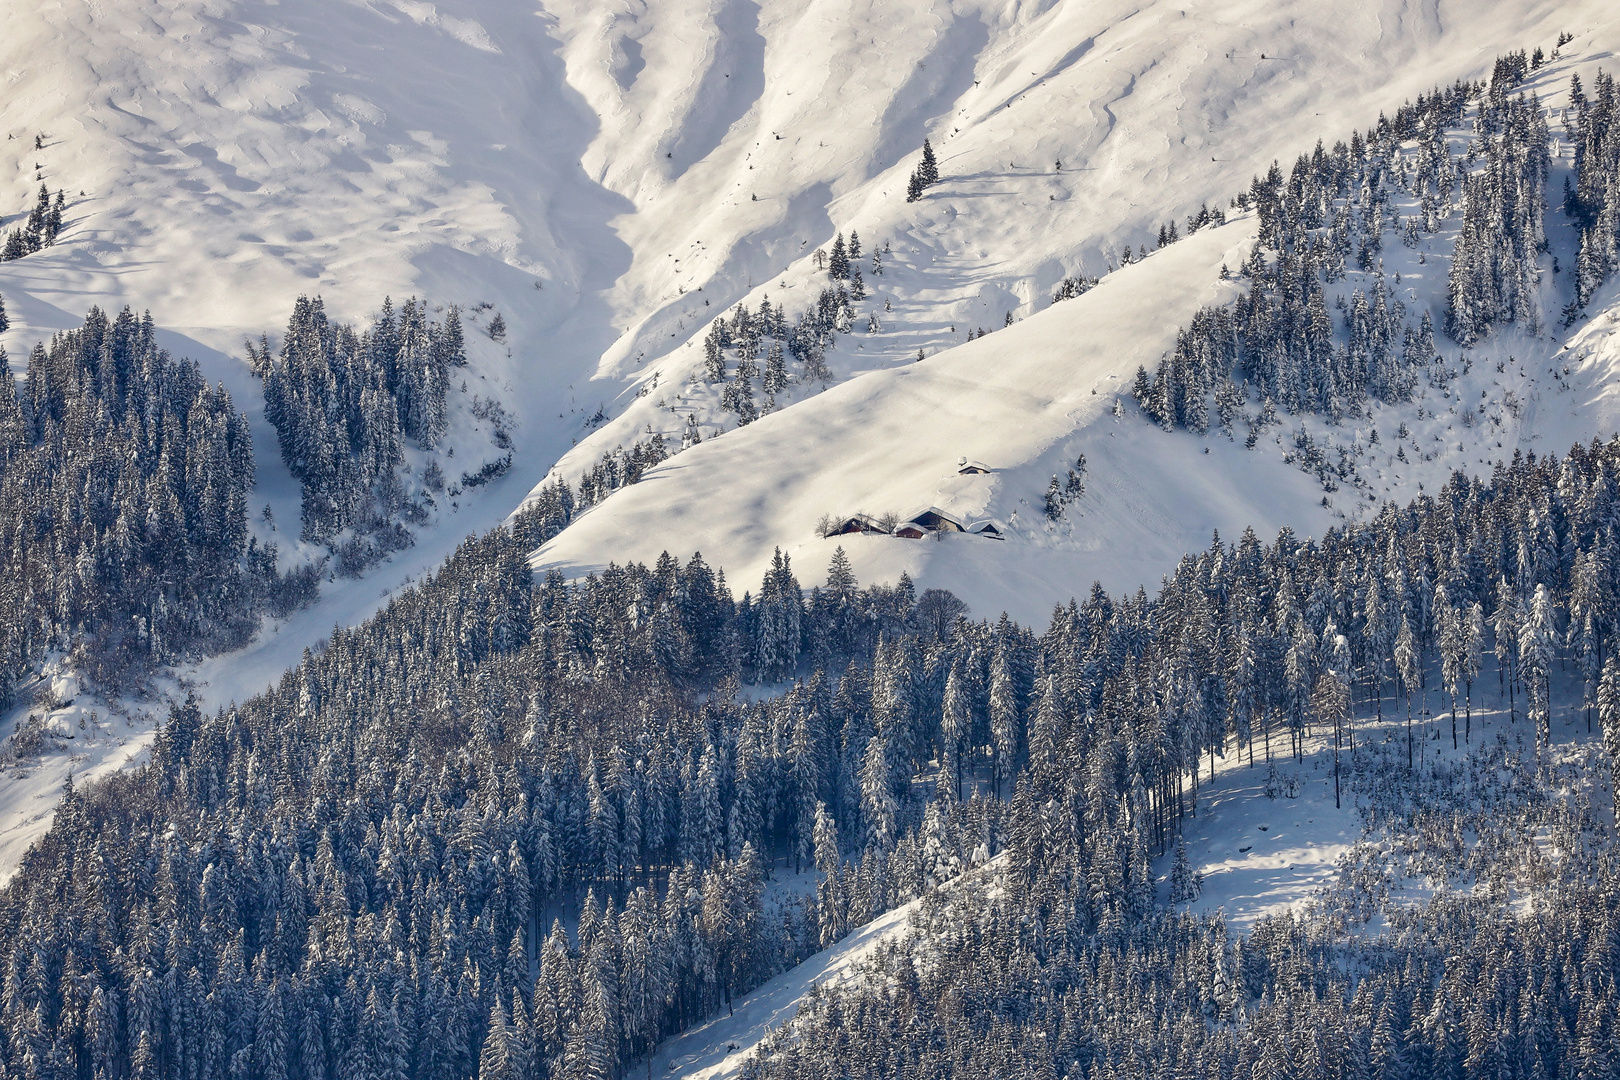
point(1278, 343)
point(123, 508)
point(1594, 201)
point(620, 468)
point(39, 230)
point(1494, 277)
point(1037, 979)
point(361, 862)
point(925, 175)
point(351, 876)
point(342, 404)
point(838, 260)
point(1070, 287)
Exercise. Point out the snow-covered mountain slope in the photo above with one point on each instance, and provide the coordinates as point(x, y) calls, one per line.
point(1026, 401)
point(611, 176)
point(747, 134)
point(1022, 401)
point(222, 159)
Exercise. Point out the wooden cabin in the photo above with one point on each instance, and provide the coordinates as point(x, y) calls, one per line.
point(985, 528)
point(910, 530)
point(936, 520)
point(856, 523)
point(972, 468)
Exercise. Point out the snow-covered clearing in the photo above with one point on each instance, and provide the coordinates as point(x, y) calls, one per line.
point(83, 737)
point(1026, 400)
point(1174, 130)
point(1268, 838)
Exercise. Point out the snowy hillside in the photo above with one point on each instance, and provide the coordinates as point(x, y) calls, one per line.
point(233, 158)
point(1027, 401)
point(1022, 402)
point(983, 299)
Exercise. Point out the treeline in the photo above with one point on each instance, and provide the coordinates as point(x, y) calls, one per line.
point(1026, 975)
point(123, 508)
point(1332, 212)
point(344, 403)
point(346, 873)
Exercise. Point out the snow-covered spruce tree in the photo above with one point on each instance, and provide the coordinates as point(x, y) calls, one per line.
point(925, 175)
point(928, 169)
point(1185, 883)
point(1593, 202)
point(838, 261)
point(778, 612)
point(1494, 275)
point(39, 229)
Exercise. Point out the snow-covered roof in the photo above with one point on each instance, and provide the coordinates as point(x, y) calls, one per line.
point(938, 517)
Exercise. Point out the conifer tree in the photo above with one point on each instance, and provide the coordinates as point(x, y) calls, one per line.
point(838, 261)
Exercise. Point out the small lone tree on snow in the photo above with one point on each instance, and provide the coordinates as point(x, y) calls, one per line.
point(1185, 884)
point(925, 175)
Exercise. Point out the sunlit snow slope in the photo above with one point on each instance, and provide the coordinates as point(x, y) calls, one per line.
point(1151, 111)
point(1024, 401)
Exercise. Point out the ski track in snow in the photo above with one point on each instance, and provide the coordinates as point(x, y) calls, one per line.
point(716, 1049)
